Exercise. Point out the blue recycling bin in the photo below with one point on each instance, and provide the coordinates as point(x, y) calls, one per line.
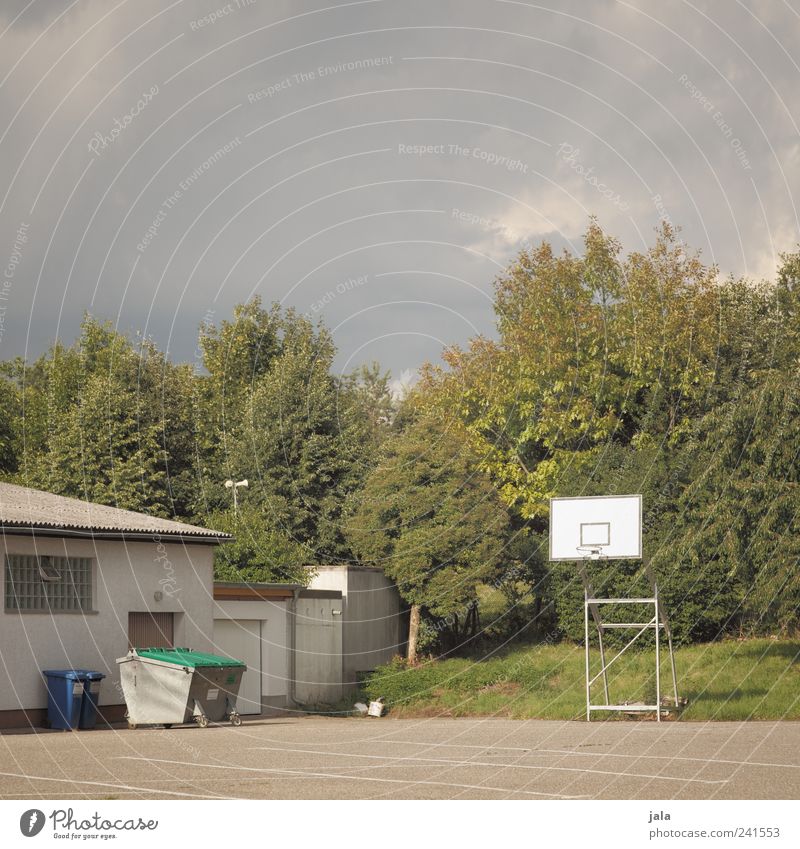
point(64, 697)
point(91, 693)
point(72, 696)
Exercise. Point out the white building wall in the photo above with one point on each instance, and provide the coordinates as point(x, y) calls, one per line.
point(274, 641)
point(126, 577)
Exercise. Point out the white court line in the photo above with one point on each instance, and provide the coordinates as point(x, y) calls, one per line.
point(533, 751)
point(396, 760)
point(152, 790)
point(671, 758)
point(410, 782)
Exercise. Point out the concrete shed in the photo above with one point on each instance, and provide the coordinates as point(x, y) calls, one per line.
point(289, 637)
point(373, 626)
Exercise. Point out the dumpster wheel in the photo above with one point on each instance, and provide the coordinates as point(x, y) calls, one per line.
point(235, 719)
point(131, 725)
point(202, 720)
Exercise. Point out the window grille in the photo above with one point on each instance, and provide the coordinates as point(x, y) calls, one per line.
point(48, 583)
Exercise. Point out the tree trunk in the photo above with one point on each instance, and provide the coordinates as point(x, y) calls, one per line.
point(413, 630)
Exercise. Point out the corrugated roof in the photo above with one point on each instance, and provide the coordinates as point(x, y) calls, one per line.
point(25, 509)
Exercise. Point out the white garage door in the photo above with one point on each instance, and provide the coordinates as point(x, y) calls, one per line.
point(241, 639)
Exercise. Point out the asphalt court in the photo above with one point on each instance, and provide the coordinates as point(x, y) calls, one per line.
point(328, 758)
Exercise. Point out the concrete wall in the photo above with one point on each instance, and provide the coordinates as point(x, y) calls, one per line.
point(372, 632)
point(318, 647)
point(126, 576)
point(275, 642)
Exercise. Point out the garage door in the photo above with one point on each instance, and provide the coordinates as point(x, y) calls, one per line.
point(241, 639)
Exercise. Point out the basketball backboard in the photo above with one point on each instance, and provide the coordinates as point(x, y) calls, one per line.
point(608, 526)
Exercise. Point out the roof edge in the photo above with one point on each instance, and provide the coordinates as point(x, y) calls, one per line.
point(211, 538)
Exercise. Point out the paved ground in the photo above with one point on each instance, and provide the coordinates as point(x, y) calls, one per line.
point(426, 758)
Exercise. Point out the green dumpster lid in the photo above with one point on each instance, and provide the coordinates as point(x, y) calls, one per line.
point(187, 657)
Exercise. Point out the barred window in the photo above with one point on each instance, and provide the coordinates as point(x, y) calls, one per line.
point(48, 583)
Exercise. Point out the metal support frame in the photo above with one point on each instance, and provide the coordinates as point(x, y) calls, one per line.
point(658, 622)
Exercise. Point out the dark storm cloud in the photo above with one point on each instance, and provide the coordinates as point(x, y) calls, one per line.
point(166, 161)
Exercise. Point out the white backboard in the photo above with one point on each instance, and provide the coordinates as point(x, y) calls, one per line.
point(610, 524)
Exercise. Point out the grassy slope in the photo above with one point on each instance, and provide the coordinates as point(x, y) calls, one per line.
point(730, 680)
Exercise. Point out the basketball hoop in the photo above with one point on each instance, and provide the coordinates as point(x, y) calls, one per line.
point(584, 529)
point(591, 552)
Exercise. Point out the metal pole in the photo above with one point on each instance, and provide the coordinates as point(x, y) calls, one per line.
point(586, 646)
point(672, 662)
point(603, 662)
point(587, 588)
point(658, 656)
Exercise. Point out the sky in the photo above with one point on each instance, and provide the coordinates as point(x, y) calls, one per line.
point(374, 164)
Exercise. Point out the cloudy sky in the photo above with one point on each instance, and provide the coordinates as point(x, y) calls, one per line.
point(375, 163)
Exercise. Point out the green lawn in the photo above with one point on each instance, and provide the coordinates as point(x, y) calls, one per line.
point(731, 680)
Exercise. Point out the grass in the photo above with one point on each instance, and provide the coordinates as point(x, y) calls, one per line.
point(756, 679)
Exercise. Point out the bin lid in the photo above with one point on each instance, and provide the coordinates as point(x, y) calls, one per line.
point(187, 657)
point(74, 674)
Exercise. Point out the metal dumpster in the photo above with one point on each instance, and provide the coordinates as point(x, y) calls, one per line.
point(170, 686)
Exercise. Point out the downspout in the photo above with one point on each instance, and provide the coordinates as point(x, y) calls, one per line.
point(293, 650)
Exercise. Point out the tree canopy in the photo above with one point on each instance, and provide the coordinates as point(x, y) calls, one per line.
point(609, 372)
point(434, 523)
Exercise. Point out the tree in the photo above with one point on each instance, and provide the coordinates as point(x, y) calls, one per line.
point(110, 420)
point(235, 355)
point(9, 421)
point(366, 403)
point(303, 452)
point(433, 522)
point(592, 348)
point(103, 453)
point(740, 514)
point(260, 552)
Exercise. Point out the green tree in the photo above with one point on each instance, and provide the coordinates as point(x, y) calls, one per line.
point(110, 420)
point(435, 525)
point(589, 346)
point(235, 355)
point(740, 514)
point(102, 452)
point(9, 422)
point(302, 451)
point(260, 552)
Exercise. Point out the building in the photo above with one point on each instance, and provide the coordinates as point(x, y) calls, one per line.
point(373, 621)
point(289, 637)
point(83, 582)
